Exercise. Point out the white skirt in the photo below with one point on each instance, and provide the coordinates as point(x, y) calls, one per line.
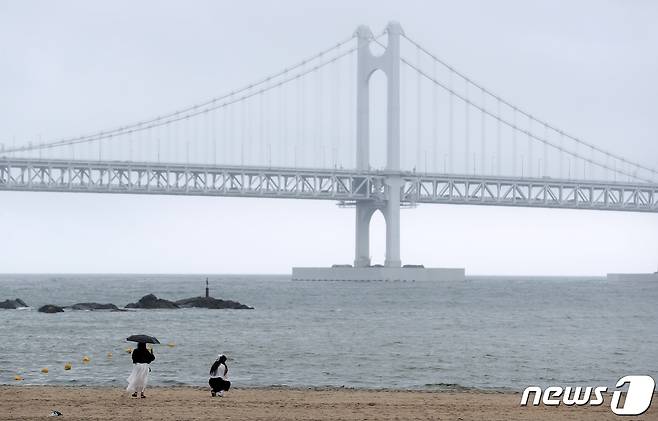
point(138, 378)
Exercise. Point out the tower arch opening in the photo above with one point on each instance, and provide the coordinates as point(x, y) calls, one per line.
point(377, 229)
point(378, 99)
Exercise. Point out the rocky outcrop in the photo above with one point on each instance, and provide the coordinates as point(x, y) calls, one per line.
point(213, 303)
point(50, 308)
point(152, 302)
point(93, 306)
point(13, 304)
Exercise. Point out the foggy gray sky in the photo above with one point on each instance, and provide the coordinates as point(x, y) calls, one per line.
point(68, 68)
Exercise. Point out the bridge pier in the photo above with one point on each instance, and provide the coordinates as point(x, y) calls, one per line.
point(391, 211)
point(392, 217)
point(364, 211)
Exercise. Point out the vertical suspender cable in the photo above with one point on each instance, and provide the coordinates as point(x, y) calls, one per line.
point(224, 137)
point(194, 142)
point(592, 170)
point(207, 136)
point(336, 115)
point(259, 152)
point(498, 140)
point(614, 174)
point(514, 129)
point(158, 140)
point(231, 134)
point(451, 154)
point(483, 129)
point(188, 136)
point(435, 116)
point(561, 155)
point(169, 155)
point(109, 148)
point(214, 137)
point(261, 138)
point(299, 120)
point(318, 117)
point(418, 114)
point(298, 111)
point(403, 117)
point(467, 146)
point(303, 114)
point(284, 128)
point(545, 166)
point(575, 162)
point(204, 140)
point(530, 154)
point(244, 138)
point(352, 110)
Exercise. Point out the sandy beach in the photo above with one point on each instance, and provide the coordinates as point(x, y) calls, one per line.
point(190, 403)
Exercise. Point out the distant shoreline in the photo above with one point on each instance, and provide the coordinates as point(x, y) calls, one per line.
point(285, 276)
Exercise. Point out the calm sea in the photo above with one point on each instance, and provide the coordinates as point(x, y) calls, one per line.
point(483, 333)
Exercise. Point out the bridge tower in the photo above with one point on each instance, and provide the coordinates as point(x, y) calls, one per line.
point(367, 64)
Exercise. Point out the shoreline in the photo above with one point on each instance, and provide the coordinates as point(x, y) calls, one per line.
point(25, 402)
point(292, 388)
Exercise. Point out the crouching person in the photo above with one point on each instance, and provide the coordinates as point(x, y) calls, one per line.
point(219, 377)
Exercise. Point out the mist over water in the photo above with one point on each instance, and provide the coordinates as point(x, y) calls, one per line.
point(482, 333)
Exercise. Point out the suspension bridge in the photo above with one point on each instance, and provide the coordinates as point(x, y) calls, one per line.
point(329, 128)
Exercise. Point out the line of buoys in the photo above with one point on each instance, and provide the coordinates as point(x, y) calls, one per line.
point(86, 360)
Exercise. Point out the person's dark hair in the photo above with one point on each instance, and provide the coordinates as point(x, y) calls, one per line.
point(141, 345)
point(216, 364)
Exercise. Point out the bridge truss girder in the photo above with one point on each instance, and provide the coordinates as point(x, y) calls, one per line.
point(180, 179)
point(346, 186)
point(529, 192)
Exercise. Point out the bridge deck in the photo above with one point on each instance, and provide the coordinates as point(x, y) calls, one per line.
point(327, 184)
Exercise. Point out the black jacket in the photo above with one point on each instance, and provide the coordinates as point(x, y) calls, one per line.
point(142, 356)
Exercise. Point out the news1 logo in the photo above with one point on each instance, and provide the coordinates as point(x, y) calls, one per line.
point(637, 398)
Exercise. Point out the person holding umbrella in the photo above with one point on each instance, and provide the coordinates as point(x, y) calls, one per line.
point(142, 357)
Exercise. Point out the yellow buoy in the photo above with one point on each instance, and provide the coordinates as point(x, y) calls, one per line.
point(44, 370)
point(171, 344)
point(86, 359)
point(18, 378)
point(129, 350)
point(109, 355)
point(68, 366)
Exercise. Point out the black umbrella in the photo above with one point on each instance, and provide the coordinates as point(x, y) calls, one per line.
point(143, 338)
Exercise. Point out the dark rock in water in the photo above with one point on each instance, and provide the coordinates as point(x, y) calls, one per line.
point(152, 302)
point(213, 303)
point(93, 306)
point(50, 308)
point(13, 304)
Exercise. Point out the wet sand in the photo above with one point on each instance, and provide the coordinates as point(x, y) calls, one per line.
point(191, 403)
